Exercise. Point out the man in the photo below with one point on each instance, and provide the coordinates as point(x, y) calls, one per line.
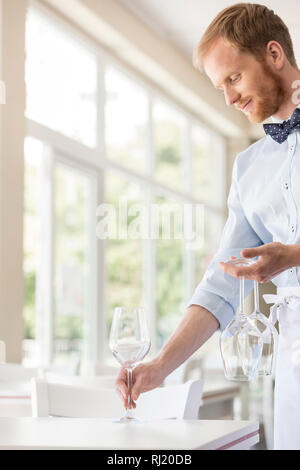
point(247, 53)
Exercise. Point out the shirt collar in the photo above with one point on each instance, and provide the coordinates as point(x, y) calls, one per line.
point(280, 121)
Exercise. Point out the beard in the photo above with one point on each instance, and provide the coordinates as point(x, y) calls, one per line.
point(269, 96)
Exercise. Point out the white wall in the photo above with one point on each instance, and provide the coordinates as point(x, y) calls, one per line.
point(11, 176)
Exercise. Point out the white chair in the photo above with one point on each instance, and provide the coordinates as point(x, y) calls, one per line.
point(92, 381)
point(52, 399)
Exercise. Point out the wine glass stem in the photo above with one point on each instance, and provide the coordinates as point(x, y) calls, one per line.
point(242, 295)
point(129, 385)
point(256, 296)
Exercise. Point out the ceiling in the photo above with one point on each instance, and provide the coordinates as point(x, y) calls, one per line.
point(183, 22)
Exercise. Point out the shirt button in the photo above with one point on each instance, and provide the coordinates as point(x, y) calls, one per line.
point(293, 228)
point(291, 271)
point(291, 148)
point(286, 185)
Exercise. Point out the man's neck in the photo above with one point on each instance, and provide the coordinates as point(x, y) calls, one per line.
point(292, 97)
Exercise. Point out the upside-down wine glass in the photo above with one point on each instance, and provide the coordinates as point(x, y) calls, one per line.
point(129, 343)
point(240, 343)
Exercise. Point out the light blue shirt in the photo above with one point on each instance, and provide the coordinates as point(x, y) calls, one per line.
point(263, 203)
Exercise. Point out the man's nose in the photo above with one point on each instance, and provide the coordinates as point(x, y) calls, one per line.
point(231, 96)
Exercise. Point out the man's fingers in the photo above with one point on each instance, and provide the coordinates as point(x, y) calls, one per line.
point(252, 252)
point(136, 390)
point(122, 398)
point(238, 271)
point(122, 390)
point(121, 387)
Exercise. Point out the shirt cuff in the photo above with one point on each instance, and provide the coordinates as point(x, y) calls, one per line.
point(222, 310)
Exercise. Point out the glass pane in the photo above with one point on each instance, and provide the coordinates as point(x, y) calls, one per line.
point(170, 282)
point(169, 134)
point(32, 240)
point(61, 80)
point(124, 255)
point(207, 168)
point(126, 117)
point(213, 226)
point(201, 163)
point(72, 267)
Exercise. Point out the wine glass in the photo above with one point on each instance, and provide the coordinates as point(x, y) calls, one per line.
point(240, 343)
point(269, 337)
point(129, 343)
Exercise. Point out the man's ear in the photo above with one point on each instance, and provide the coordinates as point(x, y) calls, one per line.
point(275, 54)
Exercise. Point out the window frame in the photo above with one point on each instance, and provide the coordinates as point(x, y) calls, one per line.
point(96, 162)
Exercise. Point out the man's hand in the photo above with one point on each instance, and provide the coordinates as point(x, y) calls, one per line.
point(196, 327)
point(274, 258)
point(145, 377)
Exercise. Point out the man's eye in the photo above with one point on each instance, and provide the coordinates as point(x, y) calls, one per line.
point(235, 78)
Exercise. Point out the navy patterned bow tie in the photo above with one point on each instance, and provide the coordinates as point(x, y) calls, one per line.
point(280, 132)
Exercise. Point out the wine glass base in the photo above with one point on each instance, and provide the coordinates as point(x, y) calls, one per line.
point(128, 419)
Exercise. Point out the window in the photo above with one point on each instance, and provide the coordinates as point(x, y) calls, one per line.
point(61, 80)
point(133, 149)
point(124, 254)
point(169, 137)
point(72, 260)
point(126, 121)
point(170, 281)
point(207, 167)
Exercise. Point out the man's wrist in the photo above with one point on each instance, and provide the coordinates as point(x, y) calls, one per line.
point(161, 362)
point(293, 255)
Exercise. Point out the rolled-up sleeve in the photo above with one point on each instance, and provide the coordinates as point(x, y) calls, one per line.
point(218, 292)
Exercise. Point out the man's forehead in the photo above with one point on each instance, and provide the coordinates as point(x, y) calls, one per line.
point(221, 59)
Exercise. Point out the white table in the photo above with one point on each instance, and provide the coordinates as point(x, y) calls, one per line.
point(88, 434)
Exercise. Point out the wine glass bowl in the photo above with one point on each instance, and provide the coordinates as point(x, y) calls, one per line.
point(269, 337)
point(240, 350)
point(129, 342)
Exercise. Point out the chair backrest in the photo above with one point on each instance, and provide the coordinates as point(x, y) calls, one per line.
point(87, 381)
point(52, 399)
point(17, 373)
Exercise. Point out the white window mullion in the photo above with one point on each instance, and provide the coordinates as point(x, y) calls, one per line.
point(45, 271)
point(149, 265)
point(93, 319)
point(100, 333)
point(189, 254)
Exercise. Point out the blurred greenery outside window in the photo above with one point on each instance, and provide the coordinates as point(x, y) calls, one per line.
point(71, 260)
point(154, 153)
